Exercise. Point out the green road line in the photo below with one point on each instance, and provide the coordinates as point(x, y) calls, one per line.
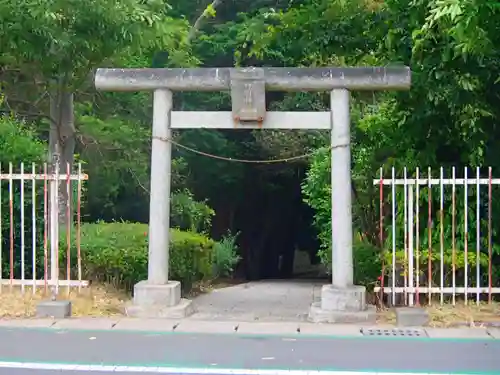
point(205, 368)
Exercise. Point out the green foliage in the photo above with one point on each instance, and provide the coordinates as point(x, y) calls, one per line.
point(316, 190)
point(226, 255)
point(19, 144)
point(118, 253)
point(366, 258)
point(191, 257)
point(367, 262)
point(450, 219)
point(317, 193)
point(188, 214)
point(449, 257)
point(124, 175)
point(53, 36)
point(207, 176)
point(124, 144)
point(453, 262)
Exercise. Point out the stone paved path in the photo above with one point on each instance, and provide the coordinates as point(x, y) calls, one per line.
point(266, 300)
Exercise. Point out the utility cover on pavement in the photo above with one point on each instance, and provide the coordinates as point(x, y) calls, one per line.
point(393, 332)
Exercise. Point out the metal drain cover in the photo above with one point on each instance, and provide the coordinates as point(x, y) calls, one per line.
point(393, 332)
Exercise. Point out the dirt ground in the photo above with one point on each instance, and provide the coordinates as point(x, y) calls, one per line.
point(93, 301)
point(103, 300)
point(447, 315)
point(97, 300)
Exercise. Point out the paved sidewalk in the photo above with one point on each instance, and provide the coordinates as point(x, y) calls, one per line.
point(234, 327)
point(265, 300)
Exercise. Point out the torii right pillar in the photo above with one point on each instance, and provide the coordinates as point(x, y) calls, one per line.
point(341, 301)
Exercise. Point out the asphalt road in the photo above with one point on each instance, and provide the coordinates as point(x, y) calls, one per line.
point(232, 351)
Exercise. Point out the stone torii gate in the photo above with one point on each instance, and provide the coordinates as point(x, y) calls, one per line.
point(158, 296)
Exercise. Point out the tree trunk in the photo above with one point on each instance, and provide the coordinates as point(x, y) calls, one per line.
point(62, 145)
point(61, 154)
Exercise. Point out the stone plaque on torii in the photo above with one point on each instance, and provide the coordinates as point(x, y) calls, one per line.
point(159, 296)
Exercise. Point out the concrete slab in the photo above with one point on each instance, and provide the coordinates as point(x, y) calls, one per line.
point(457, 333)
point(183, 309)
point(200, 326)
point(330, 329)
point(224, 316)
point(494, 332)
point(167, 295)
point(86, 323)
point(352, 298)
point(411, 317)
point(319, 315)
point(58, 309)
point(27, 323)
point(274, 328)
point(160, 325)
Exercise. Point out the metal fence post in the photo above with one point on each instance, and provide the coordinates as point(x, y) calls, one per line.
point(54, 223)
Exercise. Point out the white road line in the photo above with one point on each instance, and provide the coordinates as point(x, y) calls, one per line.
point(192, 371)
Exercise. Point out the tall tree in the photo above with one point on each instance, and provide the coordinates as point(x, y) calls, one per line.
point(56, 44)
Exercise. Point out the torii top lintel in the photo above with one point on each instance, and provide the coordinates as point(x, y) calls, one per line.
point(276, 79)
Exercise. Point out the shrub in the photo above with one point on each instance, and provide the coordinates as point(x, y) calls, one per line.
point(435, 256)
point(118, 253)
point(188, 214)
point(366, 259)
point(225, 255)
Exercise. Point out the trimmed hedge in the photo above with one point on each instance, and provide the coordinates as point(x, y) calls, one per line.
point(117, 253)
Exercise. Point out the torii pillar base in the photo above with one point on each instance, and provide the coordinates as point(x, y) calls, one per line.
point(342, 305)
point(159, 301)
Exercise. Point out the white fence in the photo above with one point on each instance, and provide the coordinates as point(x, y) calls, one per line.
point(29, 199)
point(437, 256)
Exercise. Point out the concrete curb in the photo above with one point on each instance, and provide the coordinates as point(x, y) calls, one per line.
point(228, 327)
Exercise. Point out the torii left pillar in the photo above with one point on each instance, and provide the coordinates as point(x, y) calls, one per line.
point(158, 296)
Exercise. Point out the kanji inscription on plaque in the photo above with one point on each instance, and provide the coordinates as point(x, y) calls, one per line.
point(248, 95)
